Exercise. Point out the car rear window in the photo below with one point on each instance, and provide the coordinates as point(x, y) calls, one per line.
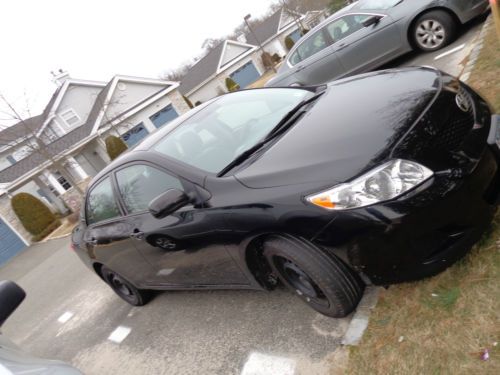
point(378, 4)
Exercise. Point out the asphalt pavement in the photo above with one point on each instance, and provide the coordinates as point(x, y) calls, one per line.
point(70, 314)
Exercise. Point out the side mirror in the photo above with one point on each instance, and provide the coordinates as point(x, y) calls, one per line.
point(373, 20)
point(167, 203)
point(11, 296)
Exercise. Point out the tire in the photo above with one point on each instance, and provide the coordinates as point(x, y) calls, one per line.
point(124, 289)
point(433, 30)
point(321, 280)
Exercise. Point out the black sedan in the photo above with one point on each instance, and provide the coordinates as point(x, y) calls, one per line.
point(377, 179)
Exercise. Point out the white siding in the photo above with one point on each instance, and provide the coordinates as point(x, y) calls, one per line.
point(81, 100)
point(232, 51)
point(127, 95)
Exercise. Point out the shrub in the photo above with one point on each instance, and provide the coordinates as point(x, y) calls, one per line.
point(289, 43)
point(33, 214)
point(188, 102)
point(231, 85)
point(267, 60)
point(115, 146)
point(276, 58)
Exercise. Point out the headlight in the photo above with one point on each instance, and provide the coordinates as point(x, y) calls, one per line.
point(383, 183)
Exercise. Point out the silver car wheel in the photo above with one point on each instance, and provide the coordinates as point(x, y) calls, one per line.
point(430, 34)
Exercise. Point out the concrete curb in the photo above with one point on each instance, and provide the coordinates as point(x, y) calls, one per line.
point(361, 317)
point(469, 67)
point(56, 238)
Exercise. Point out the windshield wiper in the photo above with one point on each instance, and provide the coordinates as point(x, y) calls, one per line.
point(288, 120)
point(291, 117)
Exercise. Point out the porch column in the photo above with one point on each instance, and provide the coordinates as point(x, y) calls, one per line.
point(56, 201)
point(150, 127)
point(53, 181)
point(74, 165)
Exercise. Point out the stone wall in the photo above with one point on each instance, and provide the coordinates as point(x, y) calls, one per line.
point(72, 197)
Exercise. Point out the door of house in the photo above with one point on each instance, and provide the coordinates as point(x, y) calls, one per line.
point(10, 243)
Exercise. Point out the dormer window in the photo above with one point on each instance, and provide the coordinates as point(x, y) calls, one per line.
point(70, 117)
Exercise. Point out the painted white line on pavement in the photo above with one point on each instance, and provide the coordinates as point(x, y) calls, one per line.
point(119, 334)
point(456, 49)
point(65, 317)
point(265, 364)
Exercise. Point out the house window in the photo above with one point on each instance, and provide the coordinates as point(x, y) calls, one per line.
point(64, 183)
point(164, 116)
point(70, 117)
point(11, 159)
point(135, 134)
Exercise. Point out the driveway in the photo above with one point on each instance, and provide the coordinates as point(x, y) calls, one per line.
point(69, 314)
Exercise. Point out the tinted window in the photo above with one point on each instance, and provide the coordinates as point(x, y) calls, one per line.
point(345, 26)
point(101, 204)
point(140, 184)
point(312, 45)
point(213, 137)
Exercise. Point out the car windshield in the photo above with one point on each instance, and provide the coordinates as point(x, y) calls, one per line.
point(212, 138)
point(378, 4)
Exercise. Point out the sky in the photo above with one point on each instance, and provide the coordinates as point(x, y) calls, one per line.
point(96, 39)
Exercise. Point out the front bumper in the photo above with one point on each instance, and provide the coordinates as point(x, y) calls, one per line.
point(423, 232)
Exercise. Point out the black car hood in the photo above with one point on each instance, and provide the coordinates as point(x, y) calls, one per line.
point(351, 128)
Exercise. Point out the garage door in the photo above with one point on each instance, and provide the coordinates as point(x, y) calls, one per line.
point(245, 75)
point(10, 243)
point(135, 134)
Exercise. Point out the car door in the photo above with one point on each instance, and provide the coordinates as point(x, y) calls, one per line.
point(361, 48)
point(107, 234)
point(314, 60)
point(184, 247)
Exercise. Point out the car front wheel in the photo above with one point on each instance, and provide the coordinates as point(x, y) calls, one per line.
point(321, 280)
point(124, 289)
point(433, 30)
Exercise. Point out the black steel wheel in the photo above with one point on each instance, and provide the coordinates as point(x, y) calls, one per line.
point(124, 289)
point(320, 279)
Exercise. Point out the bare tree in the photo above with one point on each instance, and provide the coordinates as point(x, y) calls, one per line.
point(31, 141)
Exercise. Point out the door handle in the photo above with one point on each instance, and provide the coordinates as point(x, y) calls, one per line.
point(92, 241)
point(299, 68)
point(342, 46)
point(137, 234)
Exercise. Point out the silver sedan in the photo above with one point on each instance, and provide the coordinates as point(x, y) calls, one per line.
point(370, 33)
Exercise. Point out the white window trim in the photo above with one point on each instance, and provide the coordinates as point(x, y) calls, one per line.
point(73, 112)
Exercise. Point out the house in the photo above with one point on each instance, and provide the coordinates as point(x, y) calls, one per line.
point(47, 154)
point(240, 59)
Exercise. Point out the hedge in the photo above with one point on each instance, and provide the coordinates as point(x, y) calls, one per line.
point(35, 216)
point(115, 146)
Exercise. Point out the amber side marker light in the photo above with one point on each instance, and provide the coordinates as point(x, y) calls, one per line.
point(322, 202)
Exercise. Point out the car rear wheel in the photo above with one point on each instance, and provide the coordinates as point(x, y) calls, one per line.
point(124, 289)
point(320, 279)
point(433, 30)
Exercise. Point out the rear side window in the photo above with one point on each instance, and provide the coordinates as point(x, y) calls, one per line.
point(139, 184)
point(101, 203)
point(345, 26)
point(312, 45)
